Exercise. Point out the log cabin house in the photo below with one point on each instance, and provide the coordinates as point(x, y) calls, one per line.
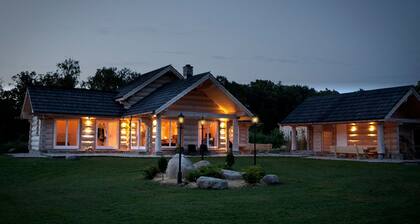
point(383, 123)
point(139, 117)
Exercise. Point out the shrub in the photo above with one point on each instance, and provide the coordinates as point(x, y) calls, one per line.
point(230, 160)
point(253, 174)
point(208, 171)
point(150, 172)
point(162, 164)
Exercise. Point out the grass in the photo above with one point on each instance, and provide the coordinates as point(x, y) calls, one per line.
point(112, 190)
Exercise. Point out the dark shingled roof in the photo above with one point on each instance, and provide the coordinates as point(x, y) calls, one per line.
point(74, 101)
point(361, 105)
point(138, 81)
point(162, 95)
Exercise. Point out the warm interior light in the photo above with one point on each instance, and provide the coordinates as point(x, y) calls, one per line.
point(123, 125)
point(372, 128)
point(353, 128)
point(222, 125)
point(154, 122)
point(255, 120)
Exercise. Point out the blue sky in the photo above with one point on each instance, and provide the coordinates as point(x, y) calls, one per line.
point(343, 45)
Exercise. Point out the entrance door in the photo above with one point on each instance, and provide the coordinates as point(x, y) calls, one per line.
point(210, 134)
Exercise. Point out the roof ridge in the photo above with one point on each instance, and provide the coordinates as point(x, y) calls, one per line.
point(69, 89)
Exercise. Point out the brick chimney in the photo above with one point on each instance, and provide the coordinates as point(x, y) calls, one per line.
point(188, 71)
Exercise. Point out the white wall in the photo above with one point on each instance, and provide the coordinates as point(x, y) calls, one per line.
point(34, 138)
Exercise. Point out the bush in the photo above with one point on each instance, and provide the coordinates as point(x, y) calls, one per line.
point(230, 160)
point(162, 164)
point(150, 172)
point(253, 174)
point(14, 147)
point(208, 171)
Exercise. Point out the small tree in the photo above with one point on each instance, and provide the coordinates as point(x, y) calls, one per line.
point(162, 165)
point(230, 160)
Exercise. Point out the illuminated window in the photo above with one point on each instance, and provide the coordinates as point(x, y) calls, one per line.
point(169, 133)
point(106, 134)
point(66, 133)
point(210, 133)
point(138, 135)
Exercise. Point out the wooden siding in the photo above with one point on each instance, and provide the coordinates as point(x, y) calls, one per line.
point(87, 139)
point(47, 134)
point(317, 139)
point(196, 101)
point(149, 89)
point(244, 133)
point(34, 133)
point(391, 138)
point(190, 132)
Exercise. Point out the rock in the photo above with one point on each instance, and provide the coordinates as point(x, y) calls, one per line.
point(72, 157)
point(172, 169)
point(201, 163)
point(211, 183)
point(231, 175)
point(270, 179)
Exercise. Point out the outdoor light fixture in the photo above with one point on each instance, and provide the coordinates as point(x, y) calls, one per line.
point(353, 128)
point(202, 123)
point(181, 121)
point(255, 122)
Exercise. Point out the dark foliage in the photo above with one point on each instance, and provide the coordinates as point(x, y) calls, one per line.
point(150, 172)
point(253, 174)
point(208, 171)
point(110, 79)
point(230, 160)
point(162, 164)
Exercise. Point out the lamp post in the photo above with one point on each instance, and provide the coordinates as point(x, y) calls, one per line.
point(255, 122)
point(202, 122)
point(180, 122)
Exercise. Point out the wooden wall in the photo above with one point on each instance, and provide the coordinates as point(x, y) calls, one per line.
point(244, 132)
point(196, 101)
point(317, 138)
point(391, 138)
point(34, 133)
point(47, 134)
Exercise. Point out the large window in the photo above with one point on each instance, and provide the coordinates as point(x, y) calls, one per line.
point(210, 133)
point(138, 135)
point(169, 134)
point(106, 134)
point(66, 133)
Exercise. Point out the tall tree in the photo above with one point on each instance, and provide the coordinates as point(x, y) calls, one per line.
point(110, 79)
point(66, 76)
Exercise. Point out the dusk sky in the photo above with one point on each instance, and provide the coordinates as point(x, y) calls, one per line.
point(342, 45)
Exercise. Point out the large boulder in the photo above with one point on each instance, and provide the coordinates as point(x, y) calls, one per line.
point(172, 169)
point(201, 163)
point(211, 183)
point(231, 175)
point(270, 179)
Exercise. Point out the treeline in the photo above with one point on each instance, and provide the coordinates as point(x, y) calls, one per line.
point(270, 101)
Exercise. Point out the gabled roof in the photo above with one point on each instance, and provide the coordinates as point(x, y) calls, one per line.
point(163, 95)
point(73, 101)
point(137, 84)
point(168, 94)
point(360, 105)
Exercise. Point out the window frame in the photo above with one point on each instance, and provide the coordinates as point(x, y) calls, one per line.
point(66, 146)
point(138, 129)
point(118, 134)
point(216, 138)
point(170, 133)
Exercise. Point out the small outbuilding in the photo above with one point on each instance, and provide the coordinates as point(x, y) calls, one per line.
point(383, 123)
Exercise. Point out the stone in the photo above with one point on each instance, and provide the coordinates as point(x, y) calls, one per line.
point(70, 157)
point(201, 163)
point(270, 179)
point(231, 175)
point(172, 169)
point(211, 183)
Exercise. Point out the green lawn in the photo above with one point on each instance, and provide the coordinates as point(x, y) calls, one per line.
point(111, 190)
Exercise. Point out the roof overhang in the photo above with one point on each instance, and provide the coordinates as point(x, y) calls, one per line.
point(210, 77)
point(170, 68)
point(404, 99)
